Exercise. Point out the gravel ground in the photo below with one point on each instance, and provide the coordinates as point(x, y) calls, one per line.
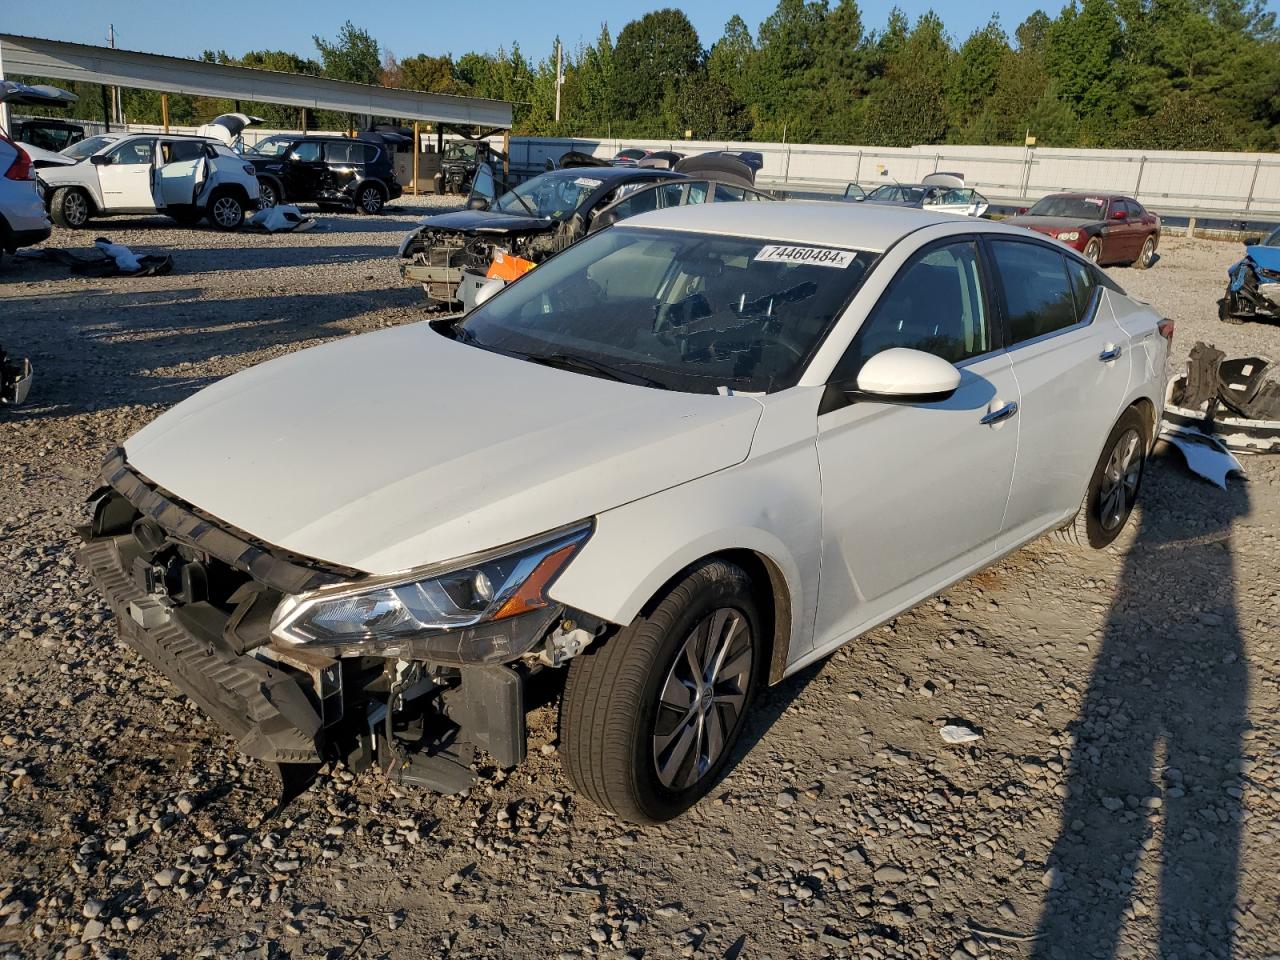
point(1123, 799)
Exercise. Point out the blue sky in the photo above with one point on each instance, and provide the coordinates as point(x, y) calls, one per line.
point(426, 26)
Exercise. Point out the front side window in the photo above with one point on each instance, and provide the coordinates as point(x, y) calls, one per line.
point(133, 152)
point(683, 311)
point(272, 146)
point(934, 304)
point(1037, 292)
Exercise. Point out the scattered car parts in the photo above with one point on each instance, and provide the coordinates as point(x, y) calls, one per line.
point(1236, 401)
point(15, 379)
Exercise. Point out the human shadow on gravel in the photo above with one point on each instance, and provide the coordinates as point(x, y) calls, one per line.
point(1158, 739)
point(95, 350)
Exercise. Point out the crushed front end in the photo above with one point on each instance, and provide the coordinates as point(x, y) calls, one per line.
point(1253, 287)
point(257, 638)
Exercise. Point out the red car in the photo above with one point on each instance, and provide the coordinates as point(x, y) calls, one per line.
point(1106, 228)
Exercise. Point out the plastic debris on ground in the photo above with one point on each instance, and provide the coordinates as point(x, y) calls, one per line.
point(280, 219)
point(1205, 455)
point(959, 733)
point(1235, 401)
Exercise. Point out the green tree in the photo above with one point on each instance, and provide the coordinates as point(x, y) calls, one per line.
point(975, 72)
point(654, 55)
point(353, 56)
point(908, 104)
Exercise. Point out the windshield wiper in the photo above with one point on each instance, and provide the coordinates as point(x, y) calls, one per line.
point(564, 361)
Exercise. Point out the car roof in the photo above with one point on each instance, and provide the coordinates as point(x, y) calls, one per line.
point(1081, 195)
point(829, 223)
point(614, 173)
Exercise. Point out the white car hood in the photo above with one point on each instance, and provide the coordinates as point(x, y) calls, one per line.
point(395, 449)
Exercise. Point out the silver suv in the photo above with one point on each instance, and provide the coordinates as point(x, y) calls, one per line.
point(23, 221)
point(184, 177)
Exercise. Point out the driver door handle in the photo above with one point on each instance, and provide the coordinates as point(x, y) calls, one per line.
point(998, 416)
point(1109, 354)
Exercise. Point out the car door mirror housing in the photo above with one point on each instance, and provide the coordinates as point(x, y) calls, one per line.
point(903, 375)
point(477, 203)
point(488, 289)
point(1120, 215)
point(100, 160)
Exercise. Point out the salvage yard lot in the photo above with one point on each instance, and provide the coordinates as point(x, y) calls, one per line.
point(1125, 793)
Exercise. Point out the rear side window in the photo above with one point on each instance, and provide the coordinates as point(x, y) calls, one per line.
point(368, 152)
point(341, 153)
point(177, 151)
point(1037, 291)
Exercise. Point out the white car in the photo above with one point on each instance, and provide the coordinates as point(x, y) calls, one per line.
point(684, 458)
point(185, 177)
point(23, 221)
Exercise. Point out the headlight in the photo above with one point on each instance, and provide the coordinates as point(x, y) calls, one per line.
point(1069, 236)
point(486, 588)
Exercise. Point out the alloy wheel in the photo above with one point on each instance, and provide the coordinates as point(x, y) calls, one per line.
point(1119, 487)
point(226, 210)
point(1093, 250)
point(1148, 252)
point(75, 209)
point(266, 195)
point(702, 698)
point(370, 200)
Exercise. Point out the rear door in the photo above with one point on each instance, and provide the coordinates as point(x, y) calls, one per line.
point(304, 170)
point(180, 172)
point(1072, 367)
point(128, 181)
point(343, 162)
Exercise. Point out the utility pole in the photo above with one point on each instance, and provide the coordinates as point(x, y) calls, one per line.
point(559, 77)
point(117, 101)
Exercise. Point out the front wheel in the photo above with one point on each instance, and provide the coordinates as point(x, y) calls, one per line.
point(369, 199)
point(70, 208)
point(226, 212)
point(1113, 488)
point(1093, 250)
point(650, 716)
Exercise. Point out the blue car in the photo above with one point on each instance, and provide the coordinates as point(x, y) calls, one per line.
point(1253, 286)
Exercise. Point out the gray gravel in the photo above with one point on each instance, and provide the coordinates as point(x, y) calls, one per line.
point(1123, 799)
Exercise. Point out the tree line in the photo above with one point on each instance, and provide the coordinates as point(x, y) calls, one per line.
point(1148, 74)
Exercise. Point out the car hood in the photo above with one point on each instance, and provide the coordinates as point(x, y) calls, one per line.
point(467, 221)
point(1050, 224)
point(395, 449)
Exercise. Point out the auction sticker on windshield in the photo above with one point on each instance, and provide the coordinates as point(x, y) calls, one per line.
point(587, 182)
point(818, 256)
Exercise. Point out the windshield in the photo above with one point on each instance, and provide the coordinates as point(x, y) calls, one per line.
point(87, 147)
point(683, 311)
point(551, 195)
point(271, 146)
point(460, 151)
point(1073, 208)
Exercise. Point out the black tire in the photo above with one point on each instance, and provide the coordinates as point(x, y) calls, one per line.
point(225, 210)
point(1225, 314)
point(1099, 522)
point(1093, 250)
point(611, 711)
point(1147, 256)
point(70, 208)
point(268, 194)
point(370, 199)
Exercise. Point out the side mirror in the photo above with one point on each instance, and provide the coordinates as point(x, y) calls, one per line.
point(1120, 215)
point(477, 203)
point(905, 375)
point(100, 160)
point(488, 289)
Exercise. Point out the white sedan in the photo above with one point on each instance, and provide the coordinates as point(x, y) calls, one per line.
point(682, 459)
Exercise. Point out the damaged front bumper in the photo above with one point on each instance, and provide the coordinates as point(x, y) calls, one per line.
point(196, 599)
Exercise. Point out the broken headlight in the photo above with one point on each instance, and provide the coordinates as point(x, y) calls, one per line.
point(486, 588)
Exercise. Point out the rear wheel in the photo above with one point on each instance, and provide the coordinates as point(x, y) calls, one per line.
point(1148, 254)
point(70, 208)
point(650, 717)
point(1113, 488)
point(226, 211)
point(1093, 250)
point(369, 199)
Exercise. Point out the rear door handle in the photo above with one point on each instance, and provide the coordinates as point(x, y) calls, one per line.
point(997, 416)
point(1109, 354)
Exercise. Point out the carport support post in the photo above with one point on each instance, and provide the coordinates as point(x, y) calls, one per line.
point(5, 119)
point(106, 110)
point(417, 151)
point(164, 111)
point(506, 153)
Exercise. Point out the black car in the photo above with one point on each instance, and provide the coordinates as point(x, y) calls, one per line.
point(47, 134)
point(330, 171)
point(501, 237)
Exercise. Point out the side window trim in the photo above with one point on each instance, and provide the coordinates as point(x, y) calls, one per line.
point(1006, 330)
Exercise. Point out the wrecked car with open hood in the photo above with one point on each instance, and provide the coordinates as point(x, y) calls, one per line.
point(498, 239)
point(1253, 283)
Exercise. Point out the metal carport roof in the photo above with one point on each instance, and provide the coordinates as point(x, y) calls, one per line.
point(33, 56)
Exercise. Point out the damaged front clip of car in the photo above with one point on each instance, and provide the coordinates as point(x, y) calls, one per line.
point(306, 662)
point(1253, 284)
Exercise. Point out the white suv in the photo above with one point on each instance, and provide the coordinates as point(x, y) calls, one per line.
point(23, 221)
point(184, 177)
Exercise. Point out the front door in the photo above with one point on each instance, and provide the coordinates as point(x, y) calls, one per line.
point(914, 494)
point(128, 181)
point(1069, 357)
